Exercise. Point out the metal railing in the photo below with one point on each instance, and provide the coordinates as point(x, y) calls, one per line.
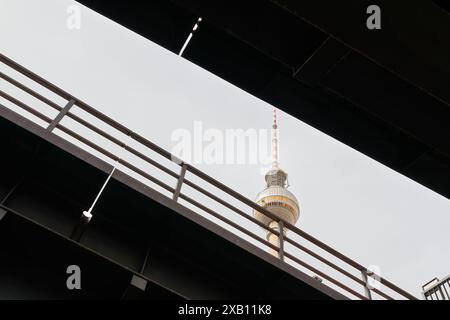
point(437, 290)
point(177, 193)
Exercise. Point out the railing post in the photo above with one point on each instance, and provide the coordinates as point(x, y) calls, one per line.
point(61, 115)
point(281, 240)
point(367, 292)
point(443, 286)
point(442, 292)
point(177, 191)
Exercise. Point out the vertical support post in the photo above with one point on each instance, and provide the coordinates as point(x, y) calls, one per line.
point(442, 292)
point(443, 286)
point(281, 240)
point(60, 115)
point(177, 191)
point(367, 292)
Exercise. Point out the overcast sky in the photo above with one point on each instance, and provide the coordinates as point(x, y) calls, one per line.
point(347, 200)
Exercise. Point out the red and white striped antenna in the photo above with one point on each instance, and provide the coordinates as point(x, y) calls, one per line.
point(274, 140)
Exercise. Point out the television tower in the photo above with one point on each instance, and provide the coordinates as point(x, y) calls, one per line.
point(276, 197)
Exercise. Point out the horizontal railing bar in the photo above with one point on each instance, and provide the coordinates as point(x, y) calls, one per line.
point(30, 91)
point(121, 128)
point(116, 125)
point(25, 107)
point(330, 264)
point(323, 275)
point(14, 65)
point(122, 144)
point(147, 176)
point(227, 221)
point(325, 247)
point(114, 157)
point(393, 287)
point(151, 161)
point(153, 146)
point(230, 206)
point(87, 142)
point(384, 295)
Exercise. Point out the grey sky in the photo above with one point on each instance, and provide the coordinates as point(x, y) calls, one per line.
point(358, 206)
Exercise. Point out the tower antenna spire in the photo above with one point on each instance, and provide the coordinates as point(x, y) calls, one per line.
point(274, 140)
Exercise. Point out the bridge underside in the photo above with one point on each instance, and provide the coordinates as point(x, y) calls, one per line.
point(45, 185)
point(384, 92)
